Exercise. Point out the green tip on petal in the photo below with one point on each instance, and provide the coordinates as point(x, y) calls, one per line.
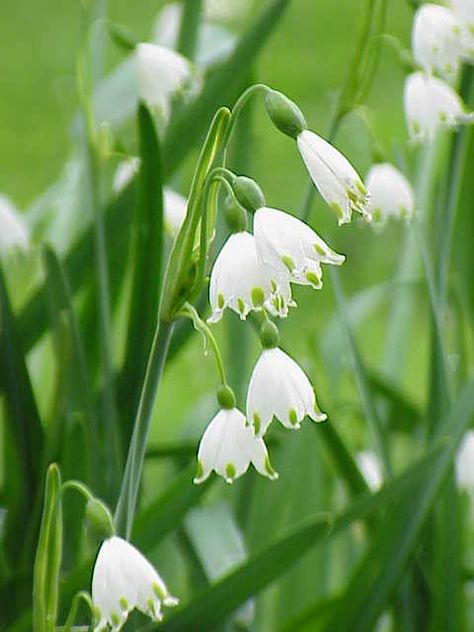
point(269, 469)
point(293, 417)
point(114, 617)
point(220, 301)
point(123, 604)
point(257, 422)
point(230, 473)
point(314, 280)
point(241, 306)
point(288, 262)
point(258, 296)
point(199, 472)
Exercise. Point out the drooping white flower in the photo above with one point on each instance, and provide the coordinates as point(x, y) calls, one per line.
point(391, 195)
point(289, 250)
point(437, 40)
point(228, 446)
point(161, 73)
point(464, 9)
point(123, 580)
point(279, 387)
point(238, 281)
point(369, 465)
point(430, 104)
point(13, 230)
point(333, 175)
point(465, 462)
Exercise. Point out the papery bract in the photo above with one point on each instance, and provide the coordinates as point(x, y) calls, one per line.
point(391, 195)
point(289, 250)
point(333, 175)
point(123, 579)
point(279, 387)
point(228, 446)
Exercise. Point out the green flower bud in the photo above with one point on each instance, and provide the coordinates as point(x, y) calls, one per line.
point(99, 518)
point(235, 215)
point(269, 335)
point(285, 114)
point(248, 193)
point(225, 397)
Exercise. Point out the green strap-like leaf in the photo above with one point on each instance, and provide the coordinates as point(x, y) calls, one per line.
point(147, 255)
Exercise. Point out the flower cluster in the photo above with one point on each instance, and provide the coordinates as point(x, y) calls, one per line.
point(254, 273)
point(441, 39)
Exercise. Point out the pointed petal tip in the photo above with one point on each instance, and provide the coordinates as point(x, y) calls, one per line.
point(171, 601)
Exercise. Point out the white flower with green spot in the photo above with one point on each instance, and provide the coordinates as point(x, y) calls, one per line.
point(431, 104)
point(123, 580)
point(238, 282)
point(289, 250)
point(333, 175)
point(228, 446)
point(391, 195)
point(280, 388)
point(464, 11)
point(438, 42)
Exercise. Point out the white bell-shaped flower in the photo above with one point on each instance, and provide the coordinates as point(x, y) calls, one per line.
point(14, 233)
point(391, 195)
point(464, 11)
point(228, 446)
point(279, 387)
point(430, 104)
point(161, 73)
point(333, 175)
point(438, 43)
point(123, 580)
point(238, 281)
point(369, 465)
point(289, 250)
point(465, 463)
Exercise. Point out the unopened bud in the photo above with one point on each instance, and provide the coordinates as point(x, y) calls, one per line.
point(235, 215)
point(99, 518)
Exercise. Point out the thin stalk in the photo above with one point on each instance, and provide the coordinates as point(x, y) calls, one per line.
point(189, 28)
point(127, 501)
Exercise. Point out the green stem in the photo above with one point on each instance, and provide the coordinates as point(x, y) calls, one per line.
point(126, 505)
point(190, 311)
point(84, 596)
point(189, 28)
point(78, 486)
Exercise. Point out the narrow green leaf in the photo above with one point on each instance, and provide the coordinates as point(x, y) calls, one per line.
point(376, 577)
point(48, 556)
point(24, 442)
point(146, 259)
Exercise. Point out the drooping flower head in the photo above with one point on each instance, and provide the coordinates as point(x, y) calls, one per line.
point(333, 175)
point(228, 446)
point(279, 388)
point(438, 43)
point(289, 250)
point(14, 233)
point(391, 195)
point(123, 579)
point(430, 104)
point(161, 73)
point(239, 282)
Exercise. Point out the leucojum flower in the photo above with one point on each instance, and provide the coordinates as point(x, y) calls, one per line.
point(430, 104)
point(160, 73)
point(391, 195)
point(123, 580)
point(228, 445)
point(333, 175)
point(438, 42)
point(279, 388)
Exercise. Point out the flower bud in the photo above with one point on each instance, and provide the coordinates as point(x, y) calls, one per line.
point(248, 193)
point(269, 335)
point(99, 518)
point(225, 397)
point(235, 215)
point(284, 114)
